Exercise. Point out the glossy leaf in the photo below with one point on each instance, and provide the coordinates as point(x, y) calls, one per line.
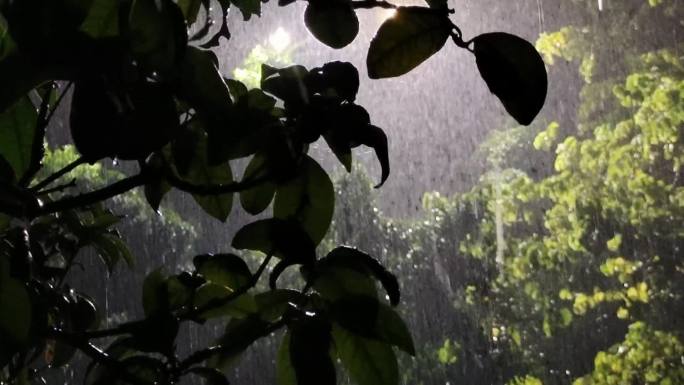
point(368, 362)
point(309, 198)
point(241, 306)
point(333, 22)
point(405, 40)
point(514, 72)
point(224, 269)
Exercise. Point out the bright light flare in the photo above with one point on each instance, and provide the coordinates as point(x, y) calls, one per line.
point(279, 40)
point(385, 14)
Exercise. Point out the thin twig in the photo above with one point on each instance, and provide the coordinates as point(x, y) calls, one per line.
point(92, 197)
point(215, 189)
point(58, 174)
point(58, 188)
point(202, 355)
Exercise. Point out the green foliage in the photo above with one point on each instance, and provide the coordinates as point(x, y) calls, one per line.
point(146, 91)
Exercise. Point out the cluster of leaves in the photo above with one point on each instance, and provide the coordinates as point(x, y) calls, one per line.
point(145, 90)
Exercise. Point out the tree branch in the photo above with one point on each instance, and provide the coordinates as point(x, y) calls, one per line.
point(58, 174)
point(58, 188)
point(217, 189)
point(89, 198)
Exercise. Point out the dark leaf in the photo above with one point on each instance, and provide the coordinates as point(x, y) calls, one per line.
point(273, 304)
point(14, 301)
point(333, 22)
point(224, 269)
point(341, 77)
point(514, 72)
point(285, 373)
point(155, 297)
point(212, 293)
point(369, 362)
point(369, 318)
point(288, 84)
point(405, 40)
point(248, 7)
point(308, 198)
point(17, 135)
point(310, 341)
point(190, 9)
point(112, 249)
point(286, 238)
point(157, 34)
point(238, 336)
point(361, 262)
point(256, 199)
point(375, 138)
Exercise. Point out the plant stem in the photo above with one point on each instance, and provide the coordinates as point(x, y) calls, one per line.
point(58, 174)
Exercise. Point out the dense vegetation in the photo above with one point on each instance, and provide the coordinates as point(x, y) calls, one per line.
point(145, 92)
point(571, 272)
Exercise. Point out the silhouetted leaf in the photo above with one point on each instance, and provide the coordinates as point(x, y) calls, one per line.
point(202, 85)
point(156, 333)
point(15, 307)
point(239, 334)
point(256, 199)
point(201, 172)
point(112, 249)
point(273, 303)
point(405, 40)
point(335, 282)
point(368, 362)
point(309, 352)
point(309, 198)
point(370, 318)
point(154, 298)
point(361, 262)
point(333, 22)
point(340, 77)
point(17, 133)
point(190, 9)
point(123, 122)
point(241, 306)
point(157, 34)
point(155, 191)
point(248, 8)
point(237, 89)
point(211, 376)
point(375, 138)
point(224, 269)
point(514, 72)
point(288, 84)
point(102, 19)
point(286, 238)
